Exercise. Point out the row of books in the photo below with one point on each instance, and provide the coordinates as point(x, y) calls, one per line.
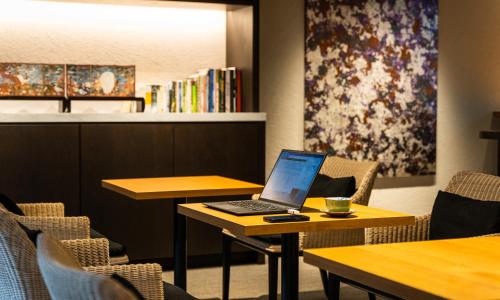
point(209, 90)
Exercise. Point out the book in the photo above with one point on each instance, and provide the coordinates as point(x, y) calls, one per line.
point(238, 90)
point(208, 90)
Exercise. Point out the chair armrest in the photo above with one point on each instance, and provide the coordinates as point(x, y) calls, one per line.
point(89, 252)
point(396, 234)
point(65, 228)
point(145, 277)
point(487, 235)
point(42, 209)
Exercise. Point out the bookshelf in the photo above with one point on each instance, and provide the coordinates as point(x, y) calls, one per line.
point(228, 37)
point(242, 43)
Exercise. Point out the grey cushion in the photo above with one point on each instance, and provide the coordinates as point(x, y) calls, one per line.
point(66, 280)
point(20, 276)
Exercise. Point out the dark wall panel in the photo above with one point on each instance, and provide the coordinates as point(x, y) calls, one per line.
point(128, 151)
point(229, 149)
point(39, 163)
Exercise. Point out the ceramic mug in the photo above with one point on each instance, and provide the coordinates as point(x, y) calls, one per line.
point(338, 204)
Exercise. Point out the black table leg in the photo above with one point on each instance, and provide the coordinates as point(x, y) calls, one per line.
point(333, 287)
point(290, 266)
point(180, 261)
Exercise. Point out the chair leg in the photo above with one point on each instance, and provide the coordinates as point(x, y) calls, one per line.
point(372, 296)
point(226, 265)
point(273, 276)
point(333, 287)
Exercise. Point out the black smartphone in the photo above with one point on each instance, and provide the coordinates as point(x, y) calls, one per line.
point(286, 218)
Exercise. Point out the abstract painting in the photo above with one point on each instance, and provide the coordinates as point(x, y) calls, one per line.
point(371, 82)
point(32, 80)
point(100, 81)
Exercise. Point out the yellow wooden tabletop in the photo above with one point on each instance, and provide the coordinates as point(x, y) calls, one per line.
point(179, 187)
point(453, 269)
point(255, 225)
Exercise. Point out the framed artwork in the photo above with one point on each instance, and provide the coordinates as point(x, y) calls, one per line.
point(31, 80)
point(371, 82)
point(100, 81)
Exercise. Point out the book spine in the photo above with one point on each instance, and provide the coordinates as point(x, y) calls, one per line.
point(194, 95)
point(188, 96)
point(154, 98)
point(238, 91)
point(209, 91)
point(199, 96)
point(147, 102)
point(216, 90)
point(179, 96)
point(228, 90)
point(233, 90)
point(222, 86)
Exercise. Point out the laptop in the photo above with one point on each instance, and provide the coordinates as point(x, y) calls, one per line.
point(286, 188)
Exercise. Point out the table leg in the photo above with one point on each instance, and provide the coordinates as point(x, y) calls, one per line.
point(290, 266)
point(180, 261)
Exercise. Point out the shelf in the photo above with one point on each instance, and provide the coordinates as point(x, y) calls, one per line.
point(489, 134)
point(132, 117)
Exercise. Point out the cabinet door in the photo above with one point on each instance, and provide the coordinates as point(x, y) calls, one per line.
point(111, 151)
point(233, 150)
point(39, 163)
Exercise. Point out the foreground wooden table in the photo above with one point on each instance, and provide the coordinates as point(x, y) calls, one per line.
point(453, 269)
point(254, 225)
point(178, 189)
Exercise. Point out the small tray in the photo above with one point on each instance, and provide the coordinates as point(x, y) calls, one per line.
point(338, 214)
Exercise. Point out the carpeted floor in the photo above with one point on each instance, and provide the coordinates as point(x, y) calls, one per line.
point(250, 282)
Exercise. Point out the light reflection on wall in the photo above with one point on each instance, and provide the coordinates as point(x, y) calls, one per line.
point(164, 42)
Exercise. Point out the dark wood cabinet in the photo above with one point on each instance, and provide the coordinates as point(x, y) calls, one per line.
point(111, 151)
point(66, 163)
point(40, 162)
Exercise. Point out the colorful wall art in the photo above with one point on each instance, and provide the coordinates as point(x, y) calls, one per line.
point(32, 80)
point(100, 81)
point(371, 82)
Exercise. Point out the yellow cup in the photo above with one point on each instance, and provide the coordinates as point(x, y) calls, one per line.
point(338, 204)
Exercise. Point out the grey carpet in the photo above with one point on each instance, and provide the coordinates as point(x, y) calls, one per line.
point(250, 282)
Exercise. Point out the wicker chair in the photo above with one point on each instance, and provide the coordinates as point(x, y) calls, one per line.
point(335, 167)
point(21, 279)
point(465, 183)
point(49, 217)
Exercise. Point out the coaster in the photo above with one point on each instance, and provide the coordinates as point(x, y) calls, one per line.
point(338, 214)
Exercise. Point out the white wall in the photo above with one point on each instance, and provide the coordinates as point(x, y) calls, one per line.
point(164, 42)
point(468, 91)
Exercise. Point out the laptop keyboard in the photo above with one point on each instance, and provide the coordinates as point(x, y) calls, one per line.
point(256, 205)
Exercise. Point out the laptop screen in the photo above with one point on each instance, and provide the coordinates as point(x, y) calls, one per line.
point(292, 176)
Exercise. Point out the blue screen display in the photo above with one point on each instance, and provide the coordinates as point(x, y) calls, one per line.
point(292, 177)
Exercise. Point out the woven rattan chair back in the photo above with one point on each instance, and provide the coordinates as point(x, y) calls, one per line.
point(365, 173)
point(20, 277)
point(475, 185)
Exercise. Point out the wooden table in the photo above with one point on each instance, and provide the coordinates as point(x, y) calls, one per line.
point(178, 189)
point(254, 225)
point(457, 268)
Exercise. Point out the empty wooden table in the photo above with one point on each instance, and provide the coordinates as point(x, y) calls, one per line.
point(178, 189)
point(453, 269)
point(255, 225)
